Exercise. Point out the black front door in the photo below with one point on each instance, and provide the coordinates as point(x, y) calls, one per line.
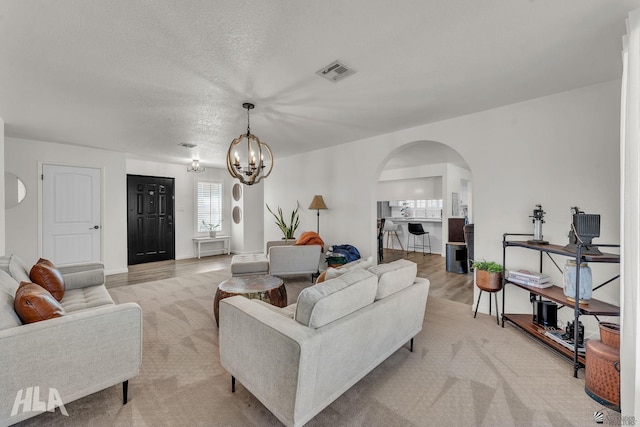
point(150, 228)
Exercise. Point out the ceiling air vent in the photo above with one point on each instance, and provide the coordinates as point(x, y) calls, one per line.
point(187, 145)
point(335, 71)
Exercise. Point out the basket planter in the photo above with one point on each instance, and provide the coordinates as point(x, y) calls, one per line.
point(610, 334)
point(490, 282)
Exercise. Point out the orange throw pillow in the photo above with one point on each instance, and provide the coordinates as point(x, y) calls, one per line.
point(46, 275)
point(33, 303)
point(321, 277)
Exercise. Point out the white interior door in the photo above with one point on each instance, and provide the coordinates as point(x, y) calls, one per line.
point(71, 222)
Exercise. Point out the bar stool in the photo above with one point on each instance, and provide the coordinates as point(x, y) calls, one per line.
point(391, 230)
point(380, 239)
point(416, 229)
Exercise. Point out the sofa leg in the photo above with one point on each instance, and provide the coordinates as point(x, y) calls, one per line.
point(125, 391)
point(233, 384)
point(411, 346)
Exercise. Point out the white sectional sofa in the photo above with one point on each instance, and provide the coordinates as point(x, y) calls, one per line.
point(95, 344)
point(298, 359)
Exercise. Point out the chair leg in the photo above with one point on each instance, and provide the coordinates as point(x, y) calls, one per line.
point(125, 392)
point(429, 239)
point(495, 294)
point(233, 384)
point(411, 346)
point(398, 237)
point(477, 304)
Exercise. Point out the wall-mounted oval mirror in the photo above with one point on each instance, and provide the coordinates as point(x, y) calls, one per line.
point(237, 215)
point(14, 190)
point(237, 192)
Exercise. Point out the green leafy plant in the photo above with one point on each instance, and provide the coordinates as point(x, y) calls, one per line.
point(211, 227)
point(490, 266)
point(288, 229)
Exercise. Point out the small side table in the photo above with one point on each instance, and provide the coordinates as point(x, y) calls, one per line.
point(269, 289)
point(224, 239)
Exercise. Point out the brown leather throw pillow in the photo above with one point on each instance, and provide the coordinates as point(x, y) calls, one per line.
point(46, 275)
point(33, 303)
point(46, 262)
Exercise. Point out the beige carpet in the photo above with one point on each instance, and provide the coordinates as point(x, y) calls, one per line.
point(463, 372)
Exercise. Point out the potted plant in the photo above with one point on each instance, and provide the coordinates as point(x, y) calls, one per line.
point(488, 275)
point(288, 229)
point(213, 228)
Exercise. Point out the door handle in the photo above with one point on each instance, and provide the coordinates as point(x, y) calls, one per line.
point(95, 227)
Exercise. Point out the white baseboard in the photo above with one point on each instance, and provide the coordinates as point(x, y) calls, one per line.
point(116, 271)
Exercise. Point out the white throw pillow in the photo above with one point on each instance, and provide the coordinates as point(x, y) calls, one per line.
point(8, 287)
point(394, 276)
point(333, 299)
point(363, 264)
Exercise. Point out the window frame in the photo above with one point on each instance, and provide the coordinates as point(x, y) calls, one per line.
point(197, 216)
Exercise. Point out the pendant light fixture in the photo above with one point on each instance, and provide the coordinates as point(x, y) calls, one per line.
point(195, 167)
point(249, 170)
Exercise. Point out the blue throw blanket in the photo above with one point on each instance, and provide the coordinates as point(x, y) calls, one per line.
point(347, 251)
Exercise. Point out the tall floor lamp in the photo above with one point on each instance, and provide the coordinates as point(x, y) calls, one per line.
point(318, 203)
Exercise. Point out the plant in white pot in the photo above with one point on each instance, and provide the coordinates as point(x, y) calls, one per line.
point(288, 229)
point(213, 228)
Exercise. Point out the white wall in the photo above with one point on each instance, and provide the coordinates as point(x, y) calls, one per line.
point(248, 235)
point(24, 159)
point(185, 194)
point(3, 236)
point(560, 150)
point(630, 230)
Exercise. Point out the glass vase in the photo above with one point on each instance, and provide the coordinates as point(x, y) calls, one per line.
point(570, 282)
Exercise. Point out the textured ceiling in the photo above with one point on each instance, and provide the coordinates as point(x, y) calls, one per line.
point(142, 77)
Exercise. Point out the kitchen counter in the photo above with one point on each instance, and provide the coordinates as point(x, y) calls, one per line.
point(402, 219)
point(432, 225)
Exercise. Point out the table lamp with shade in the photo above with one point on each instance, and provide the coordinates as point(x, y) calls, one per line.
point(318, 203)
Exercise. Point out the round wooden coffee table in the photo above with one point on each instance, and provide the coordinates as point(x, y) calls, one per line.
point(269, 289)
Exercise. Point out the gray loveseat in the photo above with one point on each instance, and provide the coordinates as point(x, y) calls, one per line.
point(96, 344)
point(298, 359)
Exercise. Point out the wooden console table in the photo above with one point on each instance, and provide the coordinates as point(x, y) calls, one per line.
point(226, 242)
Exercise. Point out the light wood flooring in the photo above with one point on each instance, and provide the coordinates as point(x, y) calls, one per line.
point(451, 286)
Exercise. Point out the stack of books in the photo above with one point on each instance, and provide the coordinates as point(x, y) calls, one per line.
point(525, 277)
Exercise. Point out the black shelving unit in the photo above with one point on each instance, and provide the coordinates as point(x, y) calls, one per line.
point(556, 294)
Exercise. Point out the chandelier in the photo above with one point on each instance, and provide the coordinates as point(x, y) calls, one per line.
point(194, 166)
point(252, 169)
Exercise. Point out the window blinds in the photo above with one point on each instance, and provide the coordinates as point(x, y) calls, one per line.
point(209, 209)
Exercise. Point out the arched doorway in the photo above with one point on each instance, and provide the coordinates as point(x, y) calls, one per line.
point(430, 183)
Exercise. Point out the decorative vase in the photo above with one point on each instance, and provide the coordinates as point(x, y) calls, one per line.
point(570, 282)
point(212, 233)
